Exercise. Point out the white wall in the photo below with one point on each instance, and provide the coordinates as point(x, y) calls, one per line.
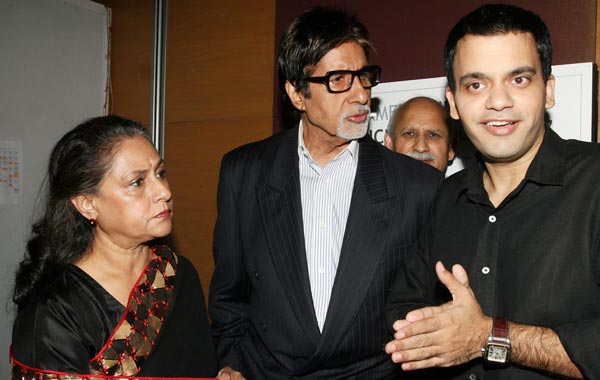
point(52, 76)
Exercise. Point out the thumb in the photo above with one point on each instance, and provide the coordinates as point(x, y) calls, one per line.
point(457, 282)
point(460, 274)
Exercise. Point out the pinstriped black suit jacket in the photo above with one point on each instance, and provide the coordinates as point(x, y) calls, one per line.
point(260, 301)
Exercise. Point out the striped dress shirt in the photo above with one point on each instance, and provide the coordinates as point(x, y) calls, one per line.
point(326, 194)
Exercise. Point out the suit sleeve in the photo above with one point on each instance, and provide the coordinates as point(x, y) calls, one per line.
point(413, 285)
point(228, 303)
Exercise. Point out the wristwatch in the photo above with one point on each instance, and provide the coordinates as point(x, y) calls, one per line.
point(498, 348)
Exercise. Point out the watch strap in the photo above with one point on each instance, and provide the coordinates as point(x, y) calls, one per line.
point(499, 327)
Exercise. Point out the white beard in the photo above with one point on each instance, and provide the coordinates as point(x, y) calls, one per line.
point(354, 131)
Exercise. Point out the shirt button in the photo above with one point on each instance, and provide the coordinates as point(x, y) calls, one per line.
point(472, 376)
point(492, 218)
point(322, 225)
point(485, 270)
point(321, 270)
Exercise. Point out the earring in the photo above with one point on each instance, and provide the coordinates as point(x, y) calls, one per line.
point(92, 222)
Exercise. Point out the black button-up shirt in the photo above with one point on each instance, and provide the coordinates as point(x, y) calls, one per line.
point(534, 259)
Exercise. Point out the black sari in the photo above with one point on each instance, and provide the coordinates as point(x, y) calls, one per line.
point(74, 329)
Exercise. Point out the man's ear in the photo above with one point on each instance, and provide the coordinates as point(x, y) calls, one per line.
point(85, 205)
point(451, 154)
point(550, 100)
point(295, 95)
point(387, 141)
point(452, 104)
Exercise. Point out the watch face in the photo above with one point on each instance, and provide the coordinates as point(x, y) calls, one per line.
point(497, 354)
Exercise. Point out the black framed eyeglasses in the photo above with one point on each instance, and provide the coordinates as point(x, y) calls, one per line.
point(341, 80)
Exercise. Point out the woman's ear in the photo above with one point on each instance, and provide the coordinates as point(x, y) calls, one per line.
point(86, 207)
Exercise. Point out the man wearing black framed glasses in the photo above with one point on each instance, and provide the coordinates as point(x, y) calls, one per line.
point(314, 223)
point(341, 80)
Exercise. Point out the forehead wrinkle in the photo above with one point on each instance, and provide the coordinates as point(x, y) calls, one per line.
point(155, 166)
point(126, 160)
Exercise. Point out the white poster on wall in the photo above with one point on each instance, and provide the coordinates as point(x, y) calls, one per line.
point(571, 116)
point(11, 172)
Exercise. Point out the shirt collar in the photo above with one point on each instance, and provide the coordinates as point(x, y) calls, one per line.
point(547, 168)
point(303, 150)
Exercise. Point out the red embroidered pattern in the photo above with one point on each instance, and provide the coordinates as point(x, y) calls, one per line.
point(133, 339)
point(23, 372)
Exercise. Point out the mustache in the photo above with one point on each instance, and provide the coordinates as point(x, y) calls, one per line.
point(421, 156)
point(363, 108)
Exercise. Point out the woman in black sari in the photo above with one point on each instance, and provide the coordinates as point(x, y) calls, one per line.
point(95, 297)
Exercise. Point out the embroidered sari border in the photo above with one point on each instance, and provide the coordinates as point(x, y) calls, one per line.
point(21, 371)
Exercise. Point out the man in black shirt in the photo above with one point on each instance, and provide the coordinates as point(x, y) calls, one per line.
point(521, 230)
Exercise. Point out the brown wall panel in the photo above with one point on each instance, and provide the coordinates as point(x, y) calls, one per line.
point(131, 58)
point(219, 59)
point(218, 95)
point(194, 152)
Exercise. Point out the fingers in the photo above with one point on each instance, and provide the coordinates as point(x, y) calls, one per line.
point(229, 374)
point(422, 313)
point(439, 335)
point(456, 286)
point(414, 348)
point(399, 348)
point(409, 329)
point(224, 374)
point(421, 364)
point(400, 324)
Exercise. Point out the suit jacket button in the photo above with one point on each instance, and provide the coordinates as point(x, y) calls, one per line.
point(256, 275)
point(263, 327)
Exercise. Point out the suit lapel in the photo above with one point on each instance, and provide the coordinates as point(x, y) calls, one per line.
point(361, 249)
point(280, 204)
